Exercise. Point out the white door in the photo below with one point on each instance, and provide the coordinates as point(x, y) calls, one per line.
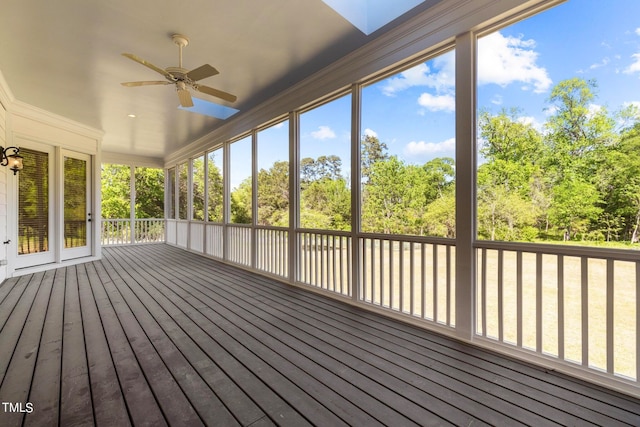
point(36, 236)
point(76, 198)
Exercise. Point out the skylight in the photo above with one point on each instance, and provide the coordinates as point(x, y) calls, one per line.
point(210, 109)
point(369, 15)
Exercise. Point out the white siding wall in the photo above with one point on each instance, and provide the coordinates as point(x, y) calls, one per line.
point(3, 199)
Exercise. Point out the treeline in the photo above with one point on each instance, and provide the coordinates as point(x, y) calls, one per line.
point(575, 177)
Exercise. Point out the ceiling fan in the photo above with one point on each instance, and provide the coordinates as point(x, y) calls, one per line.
point(181, 77)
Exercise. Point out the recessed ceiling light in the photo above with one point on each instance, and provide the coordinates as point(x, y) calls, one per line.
point(133, 116)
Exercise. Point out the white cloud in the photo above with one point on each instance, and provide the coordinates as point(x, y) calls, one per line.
point(602, 63)
point(638, 31)
point(370, 132)
point(550, 111)
point(635, 66)
point(441, 77)
point(437, 102)
point(632, 103)
point(505, 60)
point(497, 99)
point(593, 110)
point(422, 148)
point(526, 120)
point(531, 121)
point(323, 132)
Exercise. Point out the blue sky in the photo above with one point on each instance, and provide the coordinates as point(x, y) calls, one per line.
point(413, 111)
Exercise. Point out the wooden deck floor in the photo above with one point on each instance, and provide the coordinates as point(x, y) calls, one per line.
point(153, 335)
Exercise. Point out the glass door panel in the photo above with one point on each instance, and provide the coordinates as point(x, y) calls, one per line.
point(77, 204)
point(35, 220)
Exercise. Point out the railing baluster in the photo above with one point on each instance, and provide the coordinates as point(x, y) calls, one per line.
point(373, 268)
point(364, 270)
point(449, 302)
point(333, 261)
point(434, 291)
point(483, 283)
point(411, 281)
point(637, 322)
point(401, 278)
point(610, 326)
point(561, 307)
point(519, 300)
point(584, 268)
point(423, 302)
point(391, 271)
point(539, 325)
point(381, 252)
point(500, 295)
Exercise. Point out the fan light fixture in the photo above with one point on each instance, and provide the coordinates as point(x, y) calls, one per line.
point(13, 160)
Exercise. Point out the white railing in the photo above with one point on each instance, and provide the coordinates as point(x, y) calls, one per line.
point(240, 247)
point(324, 260)
point(410, 275)
point(119, 231)
point(574, 304)
point(214, 240)
point(272, 250)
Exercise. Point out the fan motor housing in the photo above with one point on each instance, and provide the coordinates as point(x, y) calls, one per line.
point(177, 72)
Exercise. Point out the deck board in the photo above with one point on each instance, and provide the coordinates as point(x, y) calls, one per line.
point(45, 386)
point(154, 335)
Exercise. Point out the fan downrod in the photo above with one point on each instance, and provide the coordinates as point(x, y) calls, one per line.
point(181, 41)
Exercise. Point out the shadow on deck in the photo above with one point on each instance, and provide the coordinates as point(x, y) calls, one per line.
point(154, 335)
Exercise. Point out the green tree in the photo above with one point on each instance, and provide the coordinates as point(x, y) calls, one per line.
point(575, 204)
point(149, 185)
point(197, 189)
point(383, 208)
point(215, 191)
point(371, 151)
point(326, 203)
point(621, 181)
point(241, 203)
point(116, 191)
point(440, 217)
point(508, 185)
point(577, 131)
point(273, 195)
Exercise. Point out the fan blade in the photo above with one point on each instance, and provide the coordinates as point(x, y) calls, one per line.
point(215, 92)
point(202, 72)
point(149, 83)
point(185, 98)
point(149, 65)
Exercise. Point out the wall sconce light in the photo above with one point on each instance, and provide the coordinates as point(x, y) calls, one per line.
point(13, 160)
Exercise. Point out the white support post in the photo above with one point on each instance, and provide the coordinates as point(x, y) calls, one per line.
point(356, 198)
point(294, 193)
point(132, 203)
point(226, 199)
point(465, 184)
point(189, 200)
point(205, 214)
point(254, 199)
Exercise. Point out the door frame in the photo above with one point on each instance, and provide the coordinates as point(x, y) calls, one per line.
point(16, 265)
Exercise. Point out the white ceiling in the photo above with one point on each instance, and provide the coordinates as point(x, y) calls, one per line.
point(64, 56)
